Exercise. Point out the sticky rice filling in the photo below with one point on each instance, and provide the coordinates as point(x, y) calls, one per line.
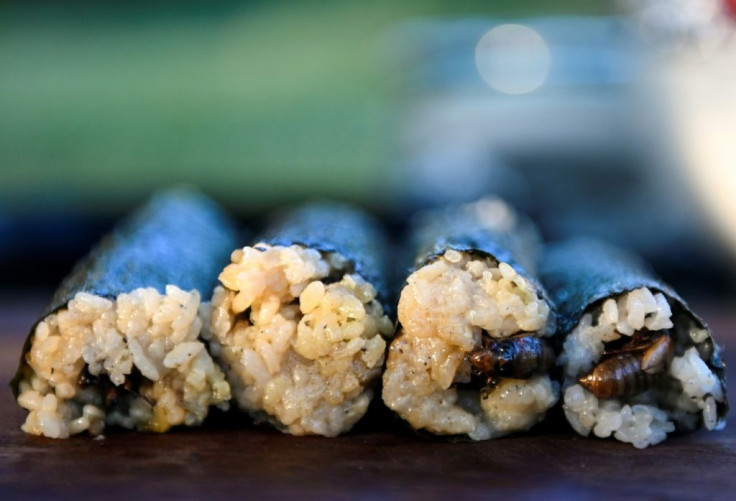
point(301, 337)
point(685, 394)
point(445, 310)
point(134, 362)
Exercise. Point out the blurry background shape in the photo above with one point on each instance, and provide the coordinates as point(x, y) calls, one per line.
point(590, 151)
point(672, 26)
point(259, 102)
point(696, 72)
point(455, 167)
point(512, 58)
point(568, 108)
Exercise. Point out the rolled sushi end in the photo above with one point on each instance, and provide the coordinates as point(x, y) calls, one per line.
point(300, 336)
point(446, 310)
point(134, 362)
point(683, 393)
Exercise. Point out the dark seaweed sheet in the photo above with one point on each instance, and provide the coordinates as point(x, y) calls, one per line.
point(340, 228)
point(180, 237)
point(511, 238)
point(584, 271)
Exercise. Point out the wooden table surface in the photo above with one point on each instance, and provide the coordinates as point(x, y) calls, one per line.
point(226, 459)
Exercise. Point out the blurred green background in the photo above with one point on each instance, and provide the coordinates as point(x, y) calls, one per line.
point(257, 102)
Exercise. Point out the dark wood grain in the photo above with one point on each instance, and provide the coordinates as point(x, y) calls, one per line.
point(226, 459)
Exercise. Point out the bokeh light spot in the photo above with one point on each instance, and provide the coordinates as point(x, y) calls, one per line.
point(513, 59)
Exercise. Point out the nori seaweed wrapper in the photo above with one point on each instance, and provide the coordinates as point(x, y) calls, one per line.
point(488, 227)
point(179, 237)
point(335, 227)
point(582, 272)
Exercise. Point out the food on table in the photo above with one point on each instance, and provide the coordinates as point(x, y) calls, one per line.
point(473, 350)
point(300, 322)
point(119, 344)
point(638, 364)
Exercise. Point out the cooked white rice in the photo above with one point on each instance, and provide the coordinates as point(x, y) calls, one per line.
point(642, 420)
point(300, 337)
point(144, 331)
point(443, 310)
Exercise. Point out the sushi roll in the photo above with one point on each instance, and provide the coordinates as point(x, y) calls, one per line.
point(299, 322)
point(119, 343)
point(473, 348)
point(638, 364)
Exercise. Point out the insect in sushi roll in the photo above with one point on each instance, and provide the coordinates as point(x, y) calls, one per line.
point(638, 364)
point(473, 350)
point(119, 343)
point(300, 320)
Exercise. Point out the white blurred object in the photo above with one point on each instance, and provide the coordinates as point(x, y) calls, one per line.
point(702, 102)
point(697, 39)
point(512, 58)
point(456, 167)
point(539, 111)
point(587, 149)
point(672, 26)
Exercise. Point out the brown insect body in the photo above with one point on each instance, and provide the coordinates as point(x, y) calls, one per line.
point(112, 395)
point(657, 355)
point(618, 376)
point(519, 357)
point(633, 369)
